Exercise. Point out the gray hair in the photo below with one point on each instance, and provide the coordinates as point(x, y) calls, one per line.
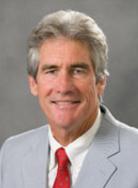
point(73, 25)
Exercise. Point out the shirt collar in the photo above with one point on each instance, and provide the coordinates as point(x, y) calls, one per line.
point(77, 146)
point(54, 145)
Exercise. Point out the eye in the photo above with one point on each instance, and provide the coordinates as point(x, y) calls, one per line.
point(79, 71)
point(50, 71)
point(47, 69)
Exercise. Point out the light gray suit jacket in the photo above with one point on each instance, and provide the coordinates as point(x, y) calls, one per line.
point(112, 160)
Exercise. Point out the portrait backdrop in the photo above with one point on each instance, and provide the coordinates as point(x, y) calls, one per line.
point(19, 111)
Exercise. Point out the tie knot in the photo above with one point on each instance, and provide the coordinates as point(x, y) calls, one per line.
point(62, 158)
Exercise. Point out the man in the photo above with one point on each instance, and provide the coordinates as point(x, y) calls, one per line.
point(83, 145)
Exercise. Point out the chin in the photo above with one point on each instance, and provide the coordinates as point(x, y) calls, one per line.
point(64, 124)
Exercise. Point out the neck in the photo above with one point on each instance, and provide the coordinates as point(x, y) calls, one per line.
point(65, 135)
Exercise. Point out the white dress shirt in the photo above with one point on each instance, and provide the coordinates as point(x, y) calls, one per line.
point(76, 152)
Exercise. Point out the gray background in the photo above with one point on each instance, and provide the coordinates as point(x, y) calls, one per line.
point(19, 111)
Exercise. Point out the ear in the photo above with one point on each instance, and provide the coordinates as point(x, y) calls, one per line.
point(33, 85)
point(101, 86)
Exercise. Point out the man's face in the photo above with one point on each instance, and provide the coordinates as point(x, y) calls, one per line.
point(66, 84)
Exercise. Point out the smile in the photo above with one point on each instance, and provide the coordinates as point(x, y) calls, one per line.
point(67, 104)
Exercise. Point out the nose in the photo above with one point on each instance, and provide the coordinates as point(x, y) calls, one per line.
point(65, 84)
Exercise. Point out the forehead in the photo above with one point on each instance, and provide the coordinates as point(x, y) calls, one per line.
point(63, 49)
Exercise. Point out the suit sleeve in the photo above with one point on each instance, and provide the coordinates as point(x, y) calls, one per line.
point(2, 159)
point(1, 166)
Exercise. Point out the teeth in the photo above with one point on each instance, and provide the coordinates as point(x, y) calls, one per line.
point(64, 102)
point(64, 105)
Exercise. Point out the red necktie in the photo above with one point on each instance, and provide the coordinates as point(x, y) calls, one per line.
point(63, 177)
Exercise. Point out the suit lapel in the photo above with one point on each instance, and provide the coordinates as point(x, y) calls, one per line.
point(34, 166)
point(98, 168)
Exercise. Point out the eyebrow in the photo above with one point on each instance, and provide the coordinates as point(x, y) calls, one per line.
point(75, 65)
point(80, 65)
point(48, 66)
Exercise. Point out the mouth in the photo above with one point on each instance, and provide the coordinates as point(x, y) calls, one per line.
point(66, 104)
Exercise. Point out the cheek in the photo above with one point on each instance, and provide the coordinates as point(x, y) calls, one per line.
point(90, 94)
point(44, 88)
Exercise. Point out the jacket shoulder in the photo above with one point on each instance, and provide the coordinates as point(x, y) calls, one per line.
point(22, 142)
point(128, 135)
